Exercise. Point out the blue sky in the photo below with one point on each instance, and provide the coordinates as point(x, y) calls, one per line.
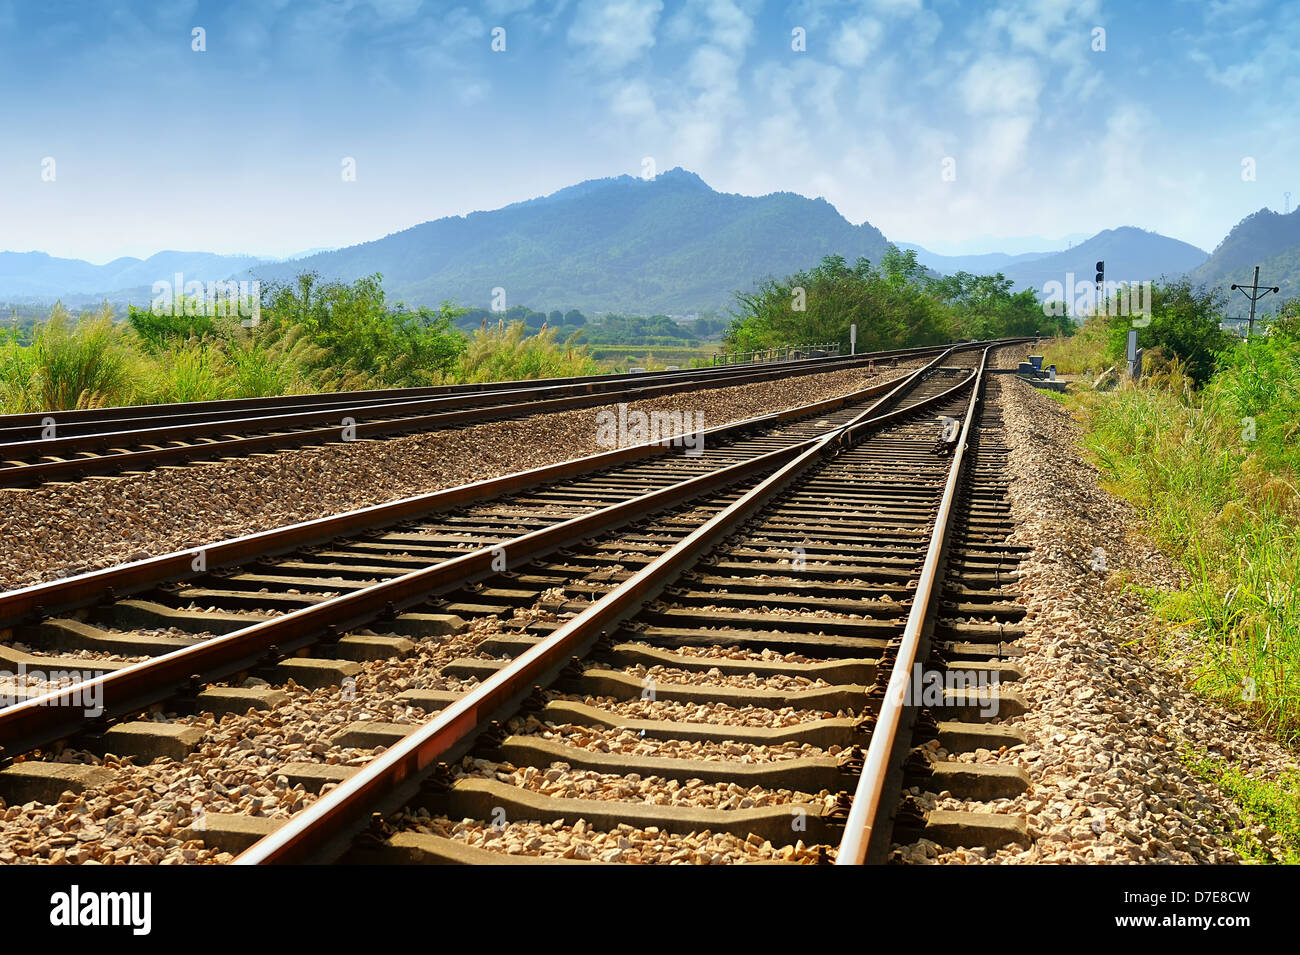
point(240, 147)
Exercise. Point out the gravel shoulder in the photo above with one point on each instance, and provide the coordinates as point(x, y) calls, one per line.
point(1110, 714)
point(61, 530)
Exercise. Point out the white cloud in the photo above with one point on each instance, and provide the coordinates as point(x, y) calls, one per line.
point(856, 40)
point(616, 32)
point(994, 84)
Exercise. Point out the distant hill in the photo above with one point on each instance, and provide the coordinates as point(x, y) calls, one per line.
point(984, 263)
point(30, 276)
point(1267, 239)
point(670, 244)
point(1130, 254)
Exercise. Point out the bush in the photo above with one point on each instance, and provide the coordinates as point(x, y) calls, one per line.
point(361, 337)
point(82, 364)
point(508, 353)
point(1215, 474)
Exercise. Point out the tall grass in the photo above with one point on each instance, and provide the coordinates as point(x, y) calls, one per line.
point(69, 364)
point(96, 361)
point(1084, 352)
point(1215, 475)
point(506, 353)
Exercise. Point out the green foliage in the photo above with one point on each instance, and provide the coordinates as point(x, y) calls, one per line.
point(888, 305)
point(638, 330)
point(361, 335)
point(312, 336)
point(509, 353)
point(157, 330)
point(1184, 324)
point(1215, 473)
point(1270, 803)
point(986, 307)
point(894, 306)
point(1085, 351)
point(85, 364)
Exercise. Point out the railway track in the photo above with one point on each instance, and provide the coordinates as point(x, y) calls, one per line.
point(69, 445)
point(683, 584)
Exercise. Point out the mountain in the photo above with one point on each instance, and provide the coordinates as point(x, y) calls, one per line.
point(1267, 239)
point(36, 275)
point(985, 244)
point(1130, 254)
point(669, 244)
point(985, 263)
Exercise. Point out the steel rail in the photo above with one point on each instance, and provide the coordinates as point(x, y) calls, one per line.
point(864, 827)
point(464, 408)
point(349, 803)
point(37, 472)
point(52, 716)
point(335, 816)
point(240, 405)
point(17, 606)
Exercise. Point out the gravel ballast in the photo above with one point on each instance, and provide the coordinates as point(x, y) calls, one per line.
point(1110, 716)
point(65, 529)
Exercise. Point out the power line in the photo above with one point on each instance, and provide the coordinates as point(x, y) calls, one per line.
point(1254, 293)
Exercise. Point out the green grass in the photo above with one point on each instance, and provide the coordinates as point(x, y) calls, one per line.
point(1082, 353)
point(1220, 496)
point(1274, 804)
point(509, 353)
point(68, 364)
point(96, 360)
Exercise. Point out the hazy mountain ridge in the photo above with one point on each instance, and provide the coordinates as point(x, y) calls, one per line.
point(980, 263)
point(1131, 255)
point(1265, 238)
point(29, 275)
point(670, 244)
point(666, 245)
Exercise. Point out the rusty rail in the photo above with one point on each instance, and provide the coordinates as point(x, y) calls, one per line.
point(331, 820)
point(866, 826)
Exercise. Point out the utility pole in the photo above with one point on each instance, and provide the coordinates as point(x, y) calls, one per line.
point(1254, 293)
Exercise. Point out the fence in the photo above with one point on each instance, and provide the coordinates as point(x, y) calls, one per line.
point(782, 353)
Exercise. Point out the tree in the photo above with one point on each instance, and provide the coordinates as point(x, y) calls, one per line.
point(359, 332)
point(1184, 322)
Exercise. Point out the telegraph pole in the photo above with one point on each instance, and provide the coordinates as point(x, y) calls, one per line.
point(1254, 293)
